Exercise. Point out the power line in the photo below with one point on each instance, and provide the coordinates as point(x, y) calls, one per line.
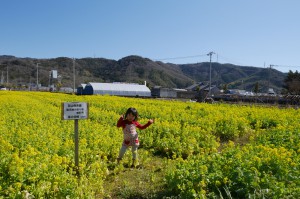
point(285, 66)
point(228, 60)
point(185, 57)
point(202, 55)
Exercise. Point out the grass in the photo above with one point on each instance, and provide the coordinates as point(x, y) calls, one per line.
point(143, 182)
point(146, 181)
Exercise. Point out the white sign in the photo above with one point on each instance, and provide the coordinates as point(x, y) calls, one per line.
point(74, 110)
point(54, 74)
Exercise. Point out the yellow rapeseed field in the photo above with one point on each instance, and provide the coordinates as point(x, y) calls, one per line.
point(216, 150)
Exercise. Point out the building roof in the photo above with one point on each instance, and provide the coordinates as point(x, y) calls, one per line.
point(119, 87)
point(194, 86)
point(82, 85)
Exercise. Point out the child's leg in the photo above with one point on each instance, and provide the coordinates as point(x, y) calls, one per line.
point(121, 153)
point(134, 150)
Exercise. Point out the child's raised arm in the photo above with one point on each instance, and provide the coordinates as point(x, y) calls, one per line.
point(151, 121)
point(120, 121)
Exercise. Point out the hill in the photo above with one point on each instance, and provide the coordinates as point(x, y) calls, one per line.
point(238, 77)
point(22, 71)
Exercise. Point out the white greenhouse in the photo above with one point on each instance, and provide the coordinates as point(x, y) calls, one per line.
point(120, 89)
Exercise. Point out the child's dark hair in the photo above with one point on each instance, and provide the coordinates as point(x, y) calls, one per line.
point(134, 112)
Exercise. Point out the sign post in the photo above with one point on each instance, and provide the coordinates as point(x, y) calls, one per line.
point(76, 139)
point(75, 111)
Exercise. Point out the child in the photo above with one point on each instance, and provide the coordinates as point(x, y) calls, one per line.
point(129, 124)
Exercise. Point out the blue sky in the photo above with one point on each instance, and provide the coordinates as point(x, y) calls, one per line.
point(256, 33)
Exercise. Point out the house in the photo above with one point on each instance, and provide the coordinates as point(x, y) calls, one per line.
point(196, 87)
point(158, 91)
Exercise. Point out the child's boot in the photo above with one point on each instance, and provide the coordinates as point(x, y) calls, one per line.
point(135, 163)
point(119, 160)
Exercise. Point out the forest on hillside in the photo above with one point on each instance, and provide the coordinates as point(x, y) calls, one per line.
point(20, 72)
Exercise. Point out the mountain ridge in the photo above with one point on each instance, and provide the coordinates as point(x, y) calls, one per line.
point(137, 69)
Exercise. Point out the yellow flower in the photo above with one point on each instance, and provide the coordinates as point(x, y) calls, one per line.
point(20, 170)
point(18, 185)
point(225, 180)
point(217, 183)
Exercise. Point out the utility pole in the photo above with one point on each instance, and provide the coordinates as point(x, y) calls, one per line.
point(130, 79)
point(7, 74)
point(270, 69)
point(37, 76)
point(29, 83)
point(210, 54)
point(2, 78)
point(50, 82)
point(74, 74)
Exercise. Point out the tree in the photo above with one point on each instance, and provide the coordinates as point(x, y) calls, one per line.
point(58, 86)
point(292, 83)
point(225, 88)
point(256, 88)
